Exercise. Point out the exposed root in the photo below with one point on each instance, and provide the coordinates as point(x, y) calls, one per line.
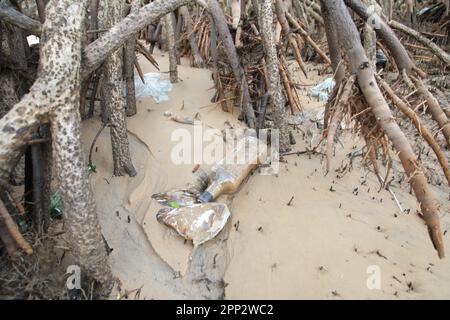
point(426, 134)
point(336, 119)
point(10, 234)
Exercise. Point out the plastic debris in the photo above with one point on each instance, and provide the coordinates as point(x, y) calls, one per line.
point(322, 90)
point(154, 86)
point(382, 60)
point(176, 198)
point(198, 222)
point(185, 120)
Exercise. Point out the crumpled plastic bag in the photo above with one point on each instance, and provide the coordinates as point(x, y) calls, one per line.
point(154, 86)
point(198, 222)
point(176, 198)
point(322, 90)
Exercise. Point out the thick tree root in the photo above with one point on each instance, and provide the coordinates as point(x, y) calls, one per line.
point(426, 134)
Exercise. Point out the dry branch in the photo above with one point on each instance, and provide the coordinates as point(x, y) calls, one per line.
point(441, 54)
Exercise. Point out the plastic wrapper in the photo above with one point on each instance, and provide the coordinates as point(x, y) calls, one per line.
point(184, 196)
point(154, 86)
point(322, 90)
point(198, 222)
point(176, 198)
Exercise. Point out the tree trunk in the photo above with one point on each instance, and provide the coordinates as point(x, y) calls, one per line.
point(93, 22)
point(82, 226)
point(385, 33)
point(23, 120)
point(273, 73)
point(110, 13)
point(198, 61)
point(349, 39)
point(333, 47)
point(169, 29)
point(129, 58)
point(58, 93)
point(370, 40)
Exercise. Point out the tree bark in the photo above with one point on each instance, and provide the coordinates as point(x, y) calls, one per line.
point(110, 13)
point(55, 97)
point(17, 127)
point(40, 4)
point(441, 54)
point(437, 113)
point(333, 47)
point(273, 73)
point(129, 59)
point(95, 53)
point(93, 20)
point(349, 39)
point(82, 226)
point(169, 29)
point(198, 61)
point(9, 14)
point(370, 39)
point(389, 38)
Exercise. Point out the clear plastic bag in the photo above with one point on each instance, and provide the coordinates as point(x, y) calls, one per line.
point(198, 222)
point(322, 90)
point(154, 86)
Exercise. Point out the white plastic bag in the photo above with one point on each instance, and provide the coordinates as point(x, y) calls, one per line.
point(322, 90)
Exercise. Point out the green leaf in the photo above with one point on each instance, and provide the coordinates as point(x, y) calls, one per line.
point(56, 206)
point(92, 168)
point(174, 204)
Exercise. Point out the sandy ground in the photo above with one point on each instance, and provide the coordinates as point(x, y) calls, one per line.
point(338, 229)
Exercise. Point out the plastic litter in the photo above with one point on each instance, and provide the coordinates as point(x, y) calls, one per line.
point(382, 60)
point(322, 90)
point(184, 196)
point(198, 222)
point(154, 86)
point(176, 198)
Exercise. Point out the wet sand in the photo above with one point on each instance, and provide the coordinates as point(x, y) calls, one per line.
point(321, 246)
